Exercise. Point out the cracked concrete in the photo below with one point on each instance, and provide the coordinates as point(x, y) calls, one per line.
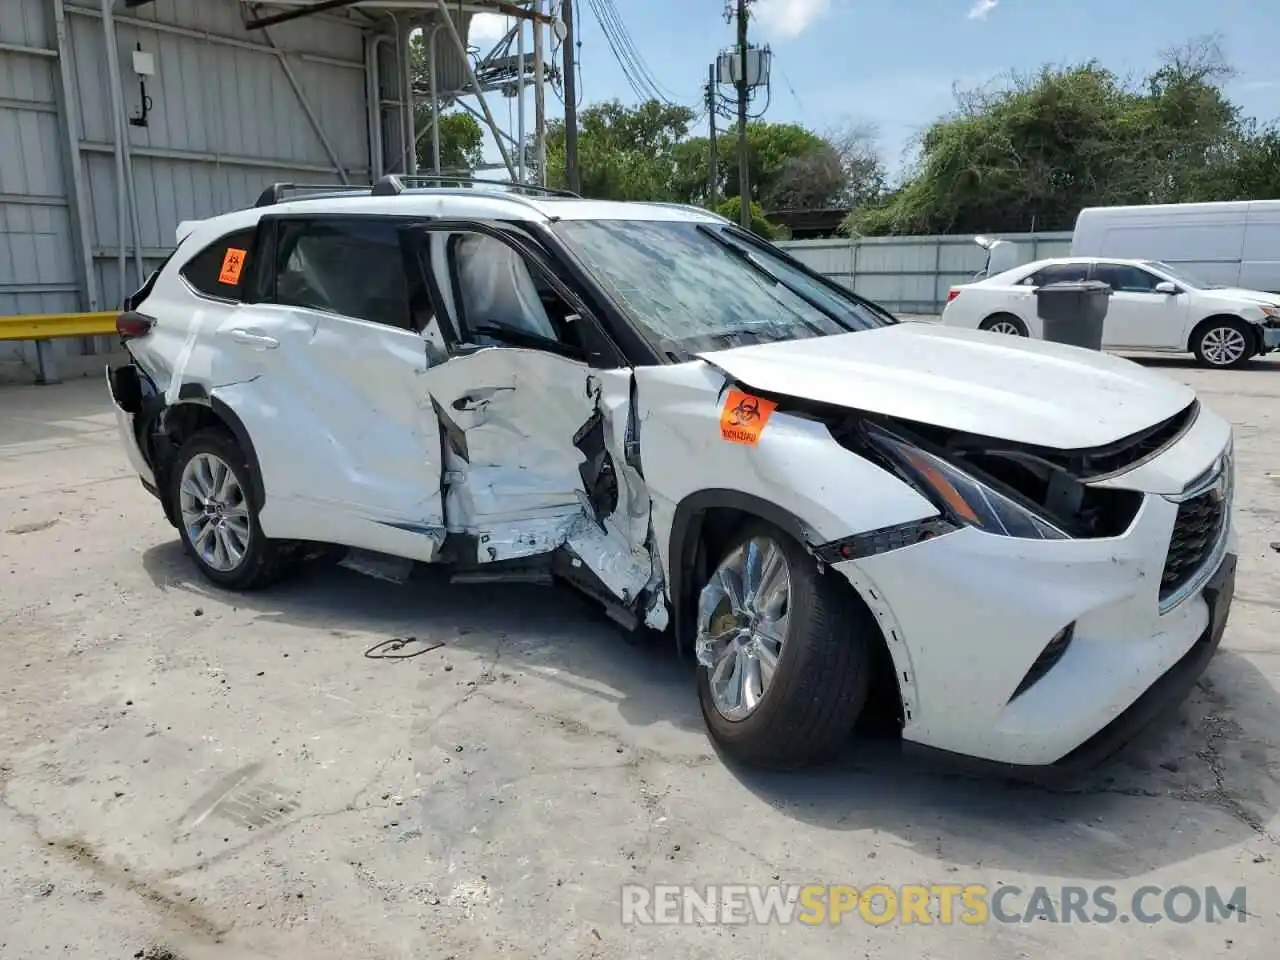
point(185, 773)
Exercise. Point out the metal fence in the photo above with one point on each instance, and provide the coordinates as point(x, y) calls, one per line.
point(913, 274)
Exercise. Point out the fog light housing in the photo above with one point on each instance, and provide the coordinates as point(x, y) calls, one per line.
point(1047, 660)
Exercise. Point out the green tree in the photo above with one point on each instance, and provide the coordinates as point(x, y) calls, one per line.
point(1031, 152)
point(624, 153)
point(731, 209)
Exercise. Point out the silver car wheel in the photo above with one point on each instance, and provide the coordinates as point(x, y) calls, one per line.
point(743, 614)
point(214, 512)
point(1223, 346)
point(1006, 327)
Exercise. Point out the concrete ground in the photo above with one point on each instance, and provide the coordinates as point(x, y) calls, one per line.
point(186, 773)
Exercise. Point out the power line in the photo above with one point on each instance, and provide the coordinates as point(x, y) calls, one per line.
point(634, 68)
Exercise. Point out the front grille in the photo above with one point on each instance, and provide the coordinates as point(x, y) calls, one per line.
point(1195, 534)
point(1129, 452)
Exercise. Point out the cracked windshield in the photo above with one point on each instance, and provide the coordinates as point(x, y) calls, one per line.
point(697, 287)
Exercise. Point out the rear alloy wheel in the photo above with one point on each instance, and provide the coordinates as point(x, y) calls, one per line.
point(782, 652)
point(217, 519)
point(1224, 343)
point(1005, 323)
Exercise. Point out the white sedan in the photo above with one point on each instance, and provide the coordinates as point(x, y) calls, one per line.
point(1153, 307)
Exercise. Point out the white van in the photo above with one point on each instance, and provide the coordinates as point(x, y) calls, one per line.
point(1233, 244)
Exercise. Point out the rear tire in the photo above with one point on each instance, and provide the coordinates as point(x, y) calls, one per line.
point(1224, 343)
point(1005, 323)
point(782, 680)
point(217, 518)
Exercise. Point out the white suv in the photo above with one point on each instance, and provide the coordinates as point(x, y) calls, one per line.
point(1024, 548)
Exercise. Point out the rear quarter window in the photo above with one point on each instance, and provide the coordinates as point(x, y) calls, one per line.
point(221, 269)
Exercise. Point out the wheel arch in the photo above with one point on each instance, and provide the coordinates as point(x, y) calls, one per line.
point(197, 410)
point(706, 519)
point(1200, 327)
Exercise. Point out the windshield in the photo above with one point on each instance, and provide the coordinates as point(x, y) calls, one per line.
point(1179, 276)
point(698, 287)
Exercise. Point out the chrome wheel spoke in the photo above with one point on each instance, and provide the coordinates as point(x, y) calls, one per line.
point(767, 656)
point(742, 625)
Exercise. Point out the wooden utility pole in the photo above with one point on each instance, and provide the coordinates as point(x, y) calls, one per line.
point(744, 89)
point(713, 162)
point(572, 179)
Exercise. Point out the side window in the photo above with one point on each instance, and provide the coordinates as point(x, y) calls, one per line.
point(1058, 273)
point(500, 299)
point(1123, 278)
point(355, 268)
point(219, 269)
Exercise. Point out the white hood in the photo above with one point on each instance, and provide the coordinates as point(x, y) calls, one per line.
point(994, 385)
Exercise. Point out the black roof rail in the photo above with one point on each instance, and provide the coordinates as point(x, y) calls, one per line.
point(394, 183)
point(276, 192)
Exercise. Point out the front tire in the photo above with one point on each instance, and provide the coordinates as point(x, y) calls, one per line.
point(1224, 343)
point(217, 518)
point(783, 653)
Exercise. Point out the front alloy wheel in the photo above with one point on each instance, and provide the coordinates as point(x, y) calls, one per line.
point(1224, 344)
point(743, 619)
point(783, 652)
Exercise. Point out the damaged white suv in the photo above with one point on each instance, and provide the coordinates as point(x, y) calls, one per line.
point(1025, 548)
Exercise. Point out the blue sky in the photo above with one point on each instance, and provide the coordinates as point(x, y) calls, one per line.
point(893, 62)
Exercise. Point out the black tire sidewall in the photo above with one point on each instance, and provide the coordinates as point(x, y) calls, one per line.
point(809, 587)
point(224, 447)
point(1227, 323)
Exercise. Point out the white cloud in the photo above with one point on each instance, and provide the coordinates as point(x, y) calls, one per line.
point(981, 9)
point(789, 18)
point(488, 28)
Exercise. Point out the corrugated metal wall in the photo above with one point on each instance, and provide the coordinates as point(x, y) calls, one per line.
point(912, 274)
point(228, 116)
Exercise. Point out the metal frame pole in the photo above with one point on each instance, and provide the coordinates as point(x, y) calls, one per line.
point(520, 97)
point(442, 6)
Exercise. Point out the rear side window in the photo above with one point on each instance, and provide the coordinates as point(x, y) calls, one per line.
point(1058, 273)
point(1125, 279)
point(355, 268)
point(220, 270)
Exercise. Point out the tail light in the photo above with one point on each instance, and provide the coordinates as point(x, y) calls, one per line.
point(952, 294)
point(132, 324)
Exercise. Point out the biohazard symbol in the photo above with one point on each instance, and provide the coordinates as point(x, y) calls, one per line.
point(232, 264)
point(743, 418)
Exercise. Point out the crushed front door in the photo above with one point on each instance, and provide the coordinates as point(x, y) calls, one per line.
point(534, 461)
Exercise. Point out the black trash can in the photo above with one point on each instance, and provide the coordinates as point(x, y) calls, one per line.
point(1073, 312)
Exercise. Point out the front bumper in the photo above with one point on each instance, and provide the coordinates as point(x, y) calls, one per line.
point(967, 615)
point(1270, 338)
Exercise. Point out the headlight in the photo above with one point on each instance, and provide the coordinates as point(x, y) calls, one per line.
point(961, 497)
point(1271, 316)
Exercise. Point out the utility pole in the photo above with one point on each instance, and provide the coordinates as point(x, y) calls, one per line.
point(713, 162)
point(539, 98)
point(744, 173)
point(572, 180)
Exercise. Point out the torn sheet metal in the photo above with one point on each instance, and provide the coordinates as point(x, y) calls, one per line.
point(625, 569)
point(513, 476)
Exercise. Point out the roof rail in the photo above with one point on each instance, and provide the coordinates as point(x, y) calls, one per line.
point(276, 192)
point(394, 183)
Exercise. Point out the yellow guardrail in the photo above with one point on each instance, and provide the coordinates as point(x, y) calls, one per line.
point(47, 326)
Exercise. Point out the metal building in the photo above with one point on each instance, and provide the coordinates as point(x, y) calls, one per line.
point(121, 118)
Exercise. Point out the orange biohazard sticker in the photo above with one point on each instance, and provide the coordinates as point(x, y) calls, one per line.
point(743, 418)
point(232, 264)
